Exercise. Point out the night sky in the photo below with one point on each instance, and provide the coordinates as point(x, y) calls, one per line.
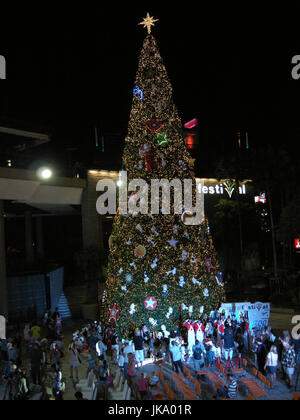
point(71, 70)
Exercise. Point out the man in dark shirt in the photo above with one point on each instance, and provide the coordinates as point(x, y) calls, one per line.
point(138, 342)
point(35, 360)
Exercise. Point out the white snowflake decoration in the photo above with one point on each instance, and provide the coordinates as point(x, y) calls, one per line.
point(195, 281)
point(153, 322)
point(154, 230)
point(182, 282)
point(206, 293)
point(133, 265)
point(174, 271)
point(139, 228)
point(150, 241)
point(184, 255)
point(154, 264)
point(169, 313)
point(146, 278)
point(132, 309)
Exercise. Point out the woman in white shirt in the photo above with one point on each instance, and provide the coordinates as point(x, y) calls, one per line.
point(271, 364)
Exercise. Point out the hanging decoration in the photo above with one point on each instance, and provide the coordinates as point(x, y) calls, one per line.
point(146, 278)
point(184, 255)
point(206, 293)
point(132, 309)
point(138, 93)
point(209, 266)
point(170, 312)
point(165, 290)
point(148, 155)
point(183, 165)
point(150, 303)
point(153, 322)
point(181, 282)
point(162, 139)
point(173, 242)
point(128, 278)
point(139, 228)
point(111, 279)
point(154, 230)
point(154, 264)
point(140, 251)
point(114, 313)
point(150, 241)
point(154, 126)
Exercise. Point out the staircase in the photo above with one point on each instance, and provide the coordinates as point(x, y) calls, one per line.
point(63, 307)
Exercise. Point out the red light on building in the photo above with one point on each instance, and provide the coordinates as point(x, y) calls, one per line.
point(191, 141)
point(191, 124)
point(297, 243)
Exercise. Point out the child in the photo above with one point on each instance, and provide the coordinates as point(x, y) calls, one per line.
point(217, 350)
point(210, 356)
point(131, 368)
point(143, 386)
point(121, 362)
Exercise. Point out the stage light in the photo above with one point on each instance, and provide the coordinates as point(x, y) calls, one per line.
point(44, 173)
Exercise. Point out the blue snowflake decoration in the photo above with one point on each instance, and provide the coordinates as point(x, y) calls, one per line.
point(138, 92)
point(128, 278)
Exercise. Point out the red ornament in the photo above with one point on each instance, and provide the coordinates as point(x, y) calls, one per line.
point(114, 313)
point(150, 303)
point(154, 126)
point(209, 266)
point(111, 279)
point(151, 164)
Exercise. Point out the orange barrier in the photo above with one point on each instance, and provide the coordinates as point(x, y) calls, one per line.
point(296, 396)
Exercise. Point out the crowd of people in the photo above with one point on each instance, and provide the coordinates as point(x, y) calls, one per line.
point(44, 352)
point(222, 340)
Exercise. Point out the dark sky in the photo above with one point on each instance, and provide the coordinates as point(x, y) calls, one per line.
point(70, 70)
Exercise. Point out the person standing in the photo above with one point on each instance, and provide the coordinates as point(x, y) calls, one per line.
point(271, 364)
point(289, 362)
point(74, 360)
point(228, 344)
point(115, 347)
point(138, 342)
point(127, 350)
point(58, 386)
point(35, 362)
point(177, 357)
point(198, 355)
point(36, 331)
point(143, 386)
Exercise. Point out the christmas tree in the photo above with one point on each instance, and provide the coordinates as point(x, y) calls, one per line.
point(161, 270)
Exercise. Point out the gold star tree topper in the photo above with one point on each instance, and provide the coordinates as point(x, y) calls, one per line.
point(148, 22)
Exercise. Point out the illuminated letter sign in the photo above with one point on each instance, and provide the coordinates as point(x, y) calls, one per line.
point(297, 243)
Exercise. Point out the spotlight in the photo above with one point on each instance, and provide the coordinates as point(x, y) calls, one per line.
point(44, 173)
